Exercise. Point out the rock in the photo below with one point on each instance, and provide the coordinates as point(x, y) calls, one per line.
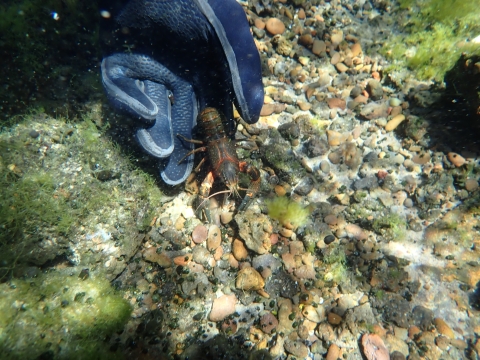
point(201, 255)
point(239, 250)
point(199, 234)
point(214, 237)
point(223, 307)
point(374, 110)
point(335, 138)
point(275, 26)
point(317, 315)
point(226, 217)
point(306, 40)
point(249, 279)
point(334, 319)
point(334, 103)
point(161, 259)
point(374, 348)
point(341, 67)
point(333, 352)
point(394, 122)
point(456, 159)
point(356, 49)
point(471, 184)
point(289, 130)
point(319, 47)
point(304, 186)
point(422, 317)
point(443, 328)
point(259, 23)
point(296, 348)
point(268, 322)
point(316, 147)
point(255, 230)
point(301, 14)
point(375, 90)
point(336, 58)
point(356, 232)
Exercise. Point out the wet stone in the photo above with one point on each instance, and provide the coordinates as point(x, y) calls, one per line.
point(296, 348)
point(375, 90)
point(369, 182)
point(305, 186)
point(395, 309)
point(422, 317)
point(289, 131)
point(316, 147)
point(283, 284)
point(268, 322)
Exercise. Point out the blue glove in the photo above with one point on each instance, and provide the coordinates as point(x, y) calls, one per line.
point(166, 60)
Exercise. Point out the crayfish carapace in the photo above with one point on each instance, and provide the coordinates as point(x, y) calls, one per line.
point(224, 163)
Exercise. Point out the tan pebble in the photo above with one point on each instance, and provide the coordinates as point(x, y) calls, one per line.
point(341, 67)
point(179, 223)
point(226, 217)
point(421, 159)
point(319, 47)
point(459, 344)
point(336, 103)
point(239, 250)
point(305, 40)
point(336, 58)
point(232, 261)
point(361, 99)
point(218, 253)
point(397, 110)
point(249, 279)
point(471, 184)
point(304, 106)
point(214, 237)
point(199, 234)
point(456, 159)
point(392, 124)
point(337, 37)
point(311, 313)
point(374, 348)
point(334, 138)
point(286, 232)
point(356, 49)
point(259, 23)
point(301, 14)
point(333, 352)
point(267, 109)
point(280, 190)
point(275, 26)
point(334, 158)
point(333, 113)
point(443, 328)
point(334, 319)
point(356, 232)
point(223, 307)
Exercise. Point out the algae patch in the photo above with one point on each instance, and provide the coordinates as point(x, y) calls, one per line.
point(287, 211)
point(60, 314)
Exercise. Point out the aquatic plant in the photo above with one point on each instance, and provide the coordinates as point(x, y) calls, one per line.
point(392, 225)
point(435, 34)
point(336, 260)
point(287, 211)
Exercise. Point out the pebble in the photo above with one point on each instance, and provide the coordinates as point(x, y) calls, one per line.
point(280, 190)
point(249, 279)
point(226, 217)
point(336, 58)
point(239, 250)
point(394, 122)
point(161, 259)
point(275, 26)
point(319, 47)
point(214, 237)
point(259, 23)
point(268, 322)
point(374, 348)
point(374, 89)
point(334, 319)
point(443, 328)
point(222, 307)
point(341, 67)
point(296, 348)
point(199, 234)
point(456, 159)
point(333, 352)
point(317, 315)
point(336, 103)
point(471, 184)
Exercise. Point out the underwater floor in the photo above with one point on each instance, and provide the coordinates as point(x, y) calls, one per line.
point(363, 242)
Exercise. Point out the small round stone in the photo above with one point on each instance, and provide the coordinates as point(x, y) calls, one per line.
point(329, 239)
point(275, 26)
point(199, 234)
point(223, 307)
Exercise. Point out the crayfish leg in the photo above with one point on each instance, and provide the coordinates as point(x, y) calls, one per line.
point(203, 210)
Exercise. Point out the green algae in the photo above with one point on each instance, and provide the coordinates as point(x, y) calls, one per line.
point(336, 260)
point(59, 313)
point(392, 225)
point(435, 34)
point(51, 187)
point(287, 211)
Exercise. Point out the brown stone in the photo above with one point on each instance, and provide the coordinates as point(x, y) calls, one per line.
point(239, 250)
point(275, 26)
point(356, 49)
point(301, 14)
point(319, 47)
point(333, 352)
point(334, 319)
point(249, 279)
point(456, 159)
point(259, 23)
point(374, 348)
point(336, 103)
point(443, 328)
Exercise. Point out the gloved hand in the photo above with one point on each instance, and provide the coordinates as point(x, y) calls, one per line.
point(167, 60)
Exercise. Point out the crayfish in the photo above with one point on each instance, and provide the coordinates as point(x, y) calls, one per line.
point(223, 160)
